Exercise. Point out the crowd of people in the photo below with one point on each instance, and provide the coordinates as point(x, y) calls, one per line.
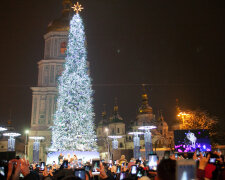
point(173, 167)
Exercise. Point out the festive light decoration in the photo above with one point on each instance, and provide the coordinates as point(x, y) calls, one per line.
point(77, 7)
point(2, 129)
point(11, 140)
point(136, 139)
point(115, 144)
point(148, 139)
point(73, 127)
point(115, 141)
point(36, 147)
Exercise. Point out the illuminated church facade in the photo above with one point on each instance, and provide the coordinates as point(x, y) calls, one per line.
point(162, 137)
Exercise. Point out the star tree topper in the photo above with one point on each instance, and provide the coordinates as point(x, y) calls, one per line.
point(77, 7)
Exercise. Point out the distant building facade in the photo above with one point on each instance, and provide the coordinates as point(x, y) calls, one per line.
point(162, 137)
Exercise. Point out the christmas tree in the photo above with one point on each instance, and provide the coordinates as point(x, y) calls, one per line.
point(73, 127)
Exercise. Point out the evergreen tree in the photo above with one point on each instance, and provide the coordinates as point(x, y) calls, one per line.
point(73, 127)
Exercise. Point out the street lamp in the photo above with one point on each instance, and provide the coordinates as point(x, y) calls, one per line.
point(183, 115)
point(26, 133)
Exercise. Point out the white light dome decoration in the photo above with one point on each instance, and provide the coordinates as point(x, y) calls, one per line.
point(11, 134)
point(2, 129)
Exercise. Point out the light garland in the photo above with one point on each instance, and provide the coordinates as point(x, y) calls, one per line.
point(73, 127)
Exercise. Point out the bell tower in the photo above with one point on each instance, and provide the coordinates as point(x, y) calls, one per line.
point(44, 95)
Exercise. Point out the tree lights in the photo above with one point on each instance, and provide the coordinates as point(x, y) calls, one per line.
point(73, 127)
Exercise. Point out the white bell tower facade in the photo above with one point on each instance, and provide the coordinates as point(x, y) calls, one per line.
point(44, 95)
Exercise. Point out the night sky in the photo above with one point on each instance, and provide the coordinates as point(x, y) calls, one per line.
point(177, 48)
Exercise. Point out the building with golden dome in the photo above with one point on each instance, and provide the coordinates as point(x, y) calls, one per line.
point(162, 138)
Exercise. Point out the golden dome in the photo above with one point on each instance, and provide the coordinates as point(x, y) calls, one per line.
point(145, 108)
point(62, 23)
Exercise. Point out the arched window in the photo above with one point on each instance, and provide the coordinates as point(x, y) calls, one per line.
point(121, 145)
point(63, 47)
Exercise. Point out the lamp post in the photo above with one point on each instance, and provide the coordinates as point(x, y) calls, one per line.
point(107, 139)
point(148, 139)
point(183, 115)
point(26, 133)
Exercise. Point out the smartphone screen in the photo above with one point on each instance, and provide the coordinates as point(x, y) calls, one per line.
point(133, 170)
point(87, 168)
point(79, 163)
point(42, 166)
point(167, 155)
point(212, 160)
point(65, 164)
point(2, 170)
point(95, 166)
point(152, 162)
point(80, 173)
point(203, 154)
point(139, 173)
point(122, 175)
point(186, 169)
point(118, 170)
point(110, 166)
point(176, 155)
point(123, 164)
point(198, 152)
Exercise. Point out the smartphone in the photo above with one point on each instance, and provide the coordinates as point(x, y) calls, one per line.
point(139, 172)
point(185, 169)
point(65, 164)
point(122, 175)
point(95, 166)
point(80, 173)
point(197, 152)
point(118, 169)
point(153, 162)
point(42, 166)
point(79, 163)
point(123, 164)
point(203, 154)
point(167, 155)
point(87, 168)
point(110, 165)
point(176, 155)
point(134, 170)
point(2, 170)
point(212, 160)
point(114, 162)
